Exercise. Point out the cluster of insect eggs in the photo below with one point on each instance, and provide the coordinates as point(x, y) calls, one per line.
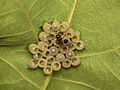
point(55, 48)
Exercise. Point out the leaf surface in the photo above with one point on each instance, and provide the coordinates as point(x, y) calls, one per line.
point(98, 21)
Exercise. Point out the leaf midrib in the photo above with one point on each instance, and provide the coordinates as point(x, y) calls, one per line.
point(69, 20)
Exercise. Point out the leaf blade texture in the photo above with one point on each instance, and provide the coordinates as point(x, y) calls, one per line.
point(96, 20)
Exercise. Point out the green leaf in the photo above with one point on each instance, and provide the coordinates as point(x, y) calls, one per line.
point(99, 24)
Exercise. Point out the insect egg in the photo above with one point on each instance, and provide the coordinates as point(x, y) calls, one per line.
point(66, 63)
point(42, 63)
point(43, 36)
point(69, 54)
point(61, 33)
point(60, 57)
point(55, 42)
point(49, 42)
point(42, 46)
point(64, 26)
point(66, 41)
point(33, 48)
point(47, 70)
point(52, 35)
point(75, 38)
point(53, 50)
point(63, 49)
point(50, 59)
point(80, 45)
point(56, 66)
point(75, 61)
point(37, 56)
point(71, 46)
point(46, 53)
point(55, 25)
point(59, 41)
point(33, 64)
point(70, 33)
point(58, 36)
point(47, 27)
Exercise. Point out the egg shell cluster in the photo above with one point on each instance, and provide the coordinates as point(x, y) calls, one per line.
point(56, 46)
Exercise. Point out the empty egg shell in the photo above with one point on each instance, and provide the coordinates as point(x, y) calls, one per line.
point(64, 26)
point(56, 66)
point(49, 42)
point(55, 42)
point(43, 36)
point(37, 56)
point(69, 33)
point(33, 48)
point(71, 46)
point(47, 70)
point(42, 63)
point(66, 63)
point(80, 45)
point(46, 53)
point(75, 61)
point(42, 46)
point(56, 25)
point(52, 35)
point(33, 64)
point(63, 49)
point(62, 34)
point(76, 37)
point(50, 59)
point(47, 27)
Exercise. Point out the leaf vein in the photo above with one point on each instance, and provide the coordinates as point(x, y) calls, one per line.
point(100, 53)
point(18, 34)
point(29, 20)
point(63, 2)
point(72, 11)
point(47, 81)
point(12, 22)
point(9, 12)
point(29, 81)
point(75, 82)
point(3, 83)
point(39, 13)
point(110, 70)
point(32, 6)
